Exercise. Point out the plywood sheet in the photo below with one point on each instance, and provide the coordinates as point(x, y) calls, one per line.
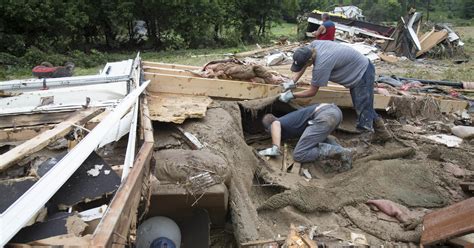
point(431, 41)
point(166, 107)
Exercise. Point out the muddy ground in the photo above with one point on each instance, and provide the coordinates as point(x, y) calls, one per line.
point(409, 170)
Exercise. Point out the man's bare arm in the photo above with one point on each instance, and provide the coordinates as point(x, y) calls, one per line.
point(307, 93)
point(321, 30)
point(300, 73)
point(276, 133)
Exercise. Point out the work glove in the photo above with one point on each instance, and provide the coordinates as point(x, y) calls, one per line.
point(288, 85)
point(272, 151)
point(286, 96)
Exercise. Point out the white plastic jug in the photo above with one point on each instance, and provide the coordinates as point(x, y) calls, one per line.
point(158, 232)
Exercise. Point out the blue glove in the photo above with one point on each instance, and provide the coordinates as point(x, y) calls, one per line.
point(286, 96)
point(272, 151)
point(288, 85)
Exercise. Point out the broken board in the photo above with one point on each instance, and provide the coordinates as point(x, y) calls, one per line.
point(431, 41)
point(176, 108)
point(447, 223)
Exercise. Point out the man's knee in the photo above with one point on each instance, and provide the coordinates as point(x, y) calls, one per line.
point(298, 156)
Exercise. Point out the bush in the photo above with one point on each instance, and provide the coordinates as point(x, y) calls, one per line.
point(173, 41)
point(8, 59)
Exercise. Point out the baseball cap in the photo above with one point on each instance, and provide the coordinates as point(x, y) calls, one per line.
point(300, 58)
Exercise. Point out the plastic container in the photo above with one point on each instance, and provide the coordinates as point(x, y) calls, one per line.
point(158, 232)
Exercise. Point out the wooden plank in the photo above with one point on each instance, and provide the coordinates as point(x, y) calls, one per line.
point(166, 107)
point(209, 87)
point(114, 226)
point(42, 140)
point(145, 121)
point(431, 41)
point(447, 223)
point(169, 66)
point(450, 106)
point(15, 135)
point(33, 119)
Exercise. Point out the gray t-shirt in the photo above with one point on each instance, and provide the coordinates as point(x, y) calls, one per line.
point(337, 63)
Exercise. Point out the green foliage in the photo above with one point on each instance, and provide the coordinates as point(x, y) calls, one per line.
point(33, 29)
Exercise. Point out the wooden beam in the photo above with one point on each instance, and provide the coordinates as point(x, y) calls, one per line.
point(15, 135)
point(245, 90)
point(42, 140)
point(23, 120)
point(170, 66)
point(145, 122)
point(22, 134)
point(447, 223)
point(209, 87)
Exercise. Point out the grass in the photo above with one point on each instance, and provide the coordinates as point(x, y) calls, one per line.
point(284, 29)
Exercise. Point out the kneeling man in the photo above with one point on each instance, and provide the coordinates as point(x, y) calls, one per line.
point(314, 124)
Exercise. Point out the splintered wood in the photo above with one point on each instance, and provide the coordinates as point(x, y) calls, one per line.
point(176, 108)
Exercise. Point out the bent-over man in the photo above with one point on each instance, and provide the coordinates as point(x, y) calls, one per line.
point(314, 124)
point(343, 65)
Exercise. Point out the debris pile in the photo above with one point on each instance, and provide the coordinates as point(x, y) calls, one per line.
point(406, 40)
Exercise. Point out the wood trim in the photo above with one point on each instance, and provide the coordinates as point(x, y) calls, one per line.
point(45, 138)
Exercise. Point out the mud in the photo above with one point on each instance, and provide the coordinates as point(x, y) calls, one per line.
point(414, 107)
point(407, 182)
point(264, 201)
point(400, 153)
point(384, 230)
point(178, 165)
